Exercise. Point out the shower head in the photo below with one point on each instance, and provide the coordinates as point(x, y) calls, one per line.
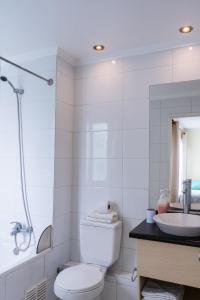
point(3, 78)
point(16, 91)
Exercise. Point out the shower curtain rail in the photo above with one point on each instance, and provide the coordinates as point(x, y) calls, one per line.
point(49, 81)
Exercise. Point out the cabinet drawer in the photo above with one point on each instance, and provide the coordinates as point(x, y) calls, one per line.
point(169, 262)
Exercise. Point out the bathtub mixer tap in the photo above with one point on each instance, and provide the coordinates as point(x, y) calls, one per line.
point(19, 227)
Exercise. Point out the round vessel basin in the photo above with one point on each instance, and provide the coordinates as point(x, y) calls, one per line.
point(179, 224)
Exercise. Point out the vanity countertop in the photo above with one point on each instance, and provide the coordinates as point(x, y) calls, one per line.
point(151, 232)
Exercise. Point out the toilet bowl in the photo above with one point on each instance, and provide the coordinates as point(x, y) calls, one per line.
point(100, 246)
point(80, 282)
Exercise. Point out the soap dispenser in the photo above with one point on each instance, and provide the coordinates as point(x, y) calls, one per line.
point(163, 201)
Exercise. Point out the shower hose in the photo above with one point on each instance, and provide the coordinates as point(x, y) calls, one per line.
point(29, 227)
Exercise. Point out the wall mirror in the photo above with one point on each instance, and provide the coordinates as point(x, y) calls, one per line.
point(174, 141)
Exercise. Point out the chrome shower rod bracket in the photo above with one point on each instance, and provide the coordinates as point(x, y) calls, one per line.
point(48, 81)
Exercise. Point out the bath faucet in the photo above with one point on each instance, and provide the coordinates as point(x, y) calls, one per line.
point(187, 196)
point(18, 227)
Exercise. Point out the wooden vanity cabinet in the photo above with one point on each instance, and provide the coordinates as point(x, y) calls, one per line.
point(169, 262)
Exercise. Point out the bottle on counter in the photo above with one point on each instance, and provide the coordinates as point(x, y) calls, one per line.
point(163, 202)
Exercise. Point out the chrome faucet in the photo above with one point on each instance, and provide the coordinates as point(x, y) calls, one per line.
point(19, 227)
point(16, 229)
point(187, 196)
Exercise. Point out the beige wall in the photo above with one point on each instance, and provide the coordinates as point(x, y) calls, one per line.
point(193, 153)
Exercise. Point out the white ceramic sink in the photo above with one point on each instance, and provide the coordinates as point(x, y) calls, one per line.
point(179, 224)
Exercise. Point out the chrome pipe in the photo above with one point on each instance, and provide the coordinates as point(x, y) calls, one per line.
point(187, 196)
point(49, 81)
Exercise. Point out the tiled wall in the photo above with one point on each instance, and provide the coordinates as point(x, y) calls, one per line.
point(111, 136)
point(63, 152)
point(38, 117)
point(53, 146)
point(110, 157)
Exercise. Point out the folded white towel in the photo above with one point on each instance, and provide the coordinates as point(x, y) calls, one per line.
point(158, 297)
point(107, 216)
point(107, 221)
point(155, 289)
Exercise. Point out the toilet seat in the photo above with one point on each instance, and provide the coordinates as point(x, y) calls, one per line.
point(81, 281)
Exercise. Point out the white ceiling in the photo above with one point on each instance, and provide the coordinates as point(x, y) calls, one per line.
point(75, 25)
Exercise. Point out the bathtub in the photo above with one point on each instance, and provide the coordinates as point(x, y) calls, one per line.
point(8, 260)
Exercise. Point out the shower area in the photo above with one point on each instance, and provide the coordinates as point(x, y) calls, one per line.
point(26, 162)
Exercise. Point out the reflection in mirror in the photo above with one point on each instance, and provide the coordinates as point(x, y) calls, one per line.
point(185, 157)
point(174, 115)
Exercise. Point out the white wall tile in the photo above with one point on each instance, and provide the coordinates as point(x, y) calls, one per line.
point(126, 292)
point(62, 200)
point(63, 146)
point(136, 143)
point(50, 290)
point(11, 111)
point(8, 143)
point(128, 259)
point(98, 144)
point(110, 291)
point(186, 71)
point(58, 256)
point(80, 91)
point(104, 88)
point(75, 226)
point(9, 171)
point(38, 114)
point(64, 88)
point(90, 197)
point(128, 225)
point(135, 173)
point(97, 172)
point(135, 203)
point(62, 172)
point(61, 229)
point(76, 198)
point(127, 117)
point(75, 250)
point(2, 287)
point(39, 143)
point(79, 118)
point(148, 61)
point(136, 84)
point(45, 207)
point(99, 69)
point(135, 114)
point(106, 116)
point(39, 172)
point(27, 279)
point(39, 124)
point(185, 55)
point(64, 116)
point(63, 66)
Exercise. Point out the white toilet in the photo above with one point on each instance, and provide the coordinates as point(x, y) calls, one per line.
point(100, 246)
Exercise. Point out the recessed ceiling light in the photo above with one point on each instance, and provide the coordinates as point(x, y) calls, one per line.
point(186, 29)
point(98, 47)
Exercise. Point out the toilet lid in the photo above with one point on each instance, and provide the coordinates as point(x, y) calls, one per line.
point(80, 278)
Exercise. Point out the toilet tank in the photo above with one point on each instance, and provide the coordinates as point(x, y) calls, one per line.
point(100, 242)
